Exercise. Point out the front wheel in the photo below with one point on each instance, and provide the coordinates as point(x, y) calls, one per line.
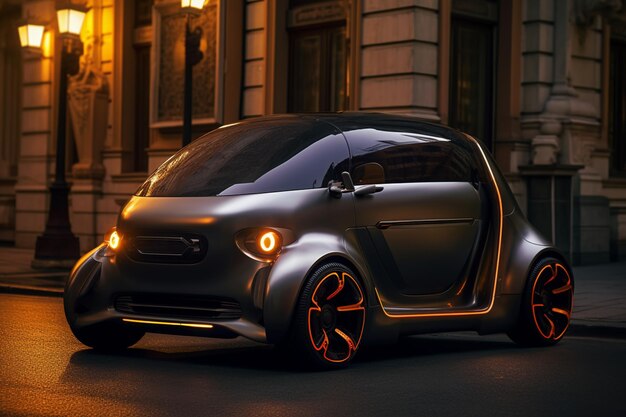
point(546, 305)
point(329, 319)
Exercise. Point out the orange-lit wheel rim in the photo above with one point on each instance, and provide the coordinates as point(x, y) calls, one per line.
point(336, 317)
point(552, 299)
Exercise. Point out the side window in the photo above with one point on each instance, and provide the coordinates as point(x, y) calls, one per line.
point(396, 157)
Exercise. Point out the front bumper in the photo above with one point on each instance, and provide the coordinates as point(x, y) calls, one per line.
point(222, 296)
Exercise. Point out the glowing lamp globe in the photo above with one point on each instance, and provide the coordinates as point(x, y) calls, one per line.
point(31, 35)
point(70, 19)
point(192, 5)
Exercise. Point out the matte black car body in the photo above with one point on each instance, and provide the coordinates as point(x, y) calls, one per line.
point(427, 238)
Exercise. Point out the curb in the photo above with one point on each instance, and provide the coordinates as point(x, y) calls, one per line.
point(31, 290)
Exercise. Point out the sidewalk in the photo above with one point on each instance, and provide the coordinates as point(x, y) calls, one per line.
point(17, 275)
point(599, 299)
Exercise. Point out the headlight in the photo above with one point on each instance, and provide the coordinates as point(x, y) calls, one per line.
point(262, 244)
point(269, 242)
point(113, 239)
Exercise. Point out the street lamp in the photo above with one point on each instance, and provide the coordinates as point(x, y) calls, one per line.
point(58, 246)
point(31, 36)
point(193, 55)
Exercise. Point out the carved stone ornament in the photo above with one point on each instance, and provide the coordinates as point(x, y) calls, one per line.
point(585, 11)
point(88, 101)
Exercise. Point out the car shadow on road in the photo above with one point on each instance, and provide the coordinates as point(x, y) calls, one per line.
point(430, 345)
point(266, 358)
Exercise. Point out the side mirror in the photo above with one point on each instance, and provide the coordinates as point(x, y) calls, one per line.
point(336, 189)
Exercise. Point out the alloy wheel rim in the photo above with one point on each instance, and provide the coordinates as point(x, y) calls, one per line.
point(552, 301)
point(336, 317)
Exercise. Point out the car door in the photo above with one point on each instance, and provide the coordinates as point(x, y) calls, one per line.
point(423, 227)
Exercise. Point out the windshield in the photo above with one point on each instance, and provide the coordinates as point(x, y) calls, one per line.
point(253, 157)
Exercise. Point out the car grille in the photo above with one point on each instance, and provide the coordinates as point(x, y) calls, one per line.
point(182, 306)
point(170, 248)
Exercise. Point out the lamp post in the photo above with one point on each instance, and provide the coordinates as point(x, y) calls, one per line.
point(58, 246)
point(193, 55)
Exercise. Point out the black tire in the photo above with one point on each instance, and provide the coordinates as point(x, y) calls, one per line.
point(108, 337)
point(329, 319)
point(546, 306)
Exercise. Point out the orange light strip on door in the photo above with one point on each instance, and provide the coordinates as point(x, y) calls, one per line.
point(495, 283)
point(169, 323)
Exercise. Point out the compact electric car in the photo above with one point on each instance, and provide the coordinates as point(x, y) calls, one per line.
point(321, 233)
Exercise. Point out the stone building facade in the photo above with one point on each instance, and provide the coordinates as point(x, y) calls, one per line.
point(541, 82)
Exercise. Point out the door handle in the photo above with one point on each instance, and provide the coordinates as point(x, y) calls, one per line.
point(367, 190)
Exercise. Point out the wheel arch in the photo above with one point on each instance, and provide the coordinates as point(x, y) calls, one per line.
point(553, 253)
point(287, 280)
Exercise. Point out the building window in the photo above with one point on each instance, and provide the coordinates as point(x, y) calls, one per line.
point(617, 108)
point(472, 68)
point(318, 57)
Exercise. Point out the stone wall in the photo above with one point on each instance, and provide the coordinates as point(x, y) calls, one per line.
point(399, 57)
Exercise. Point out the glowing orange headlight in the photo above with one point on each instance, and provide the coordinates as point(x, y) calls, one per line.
point(269, 242)
point(262, 243)
point(114, 240)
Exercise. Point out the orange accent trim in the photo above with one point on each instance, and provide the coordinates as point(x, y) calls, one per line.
point(552, 277)
point(495, 283)
point(352, 307)
point(552, 327)
point(325, 341)
point(533, 311)
point(169, 323)
point(555, 267)
point(561, 311)
point(342, 282)
point(352, 346)
point(349, 341)
point(562, 289)
point(462, 287)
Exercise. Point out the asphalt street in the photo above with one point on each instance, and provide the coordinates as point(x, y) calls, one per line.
point(45, 371)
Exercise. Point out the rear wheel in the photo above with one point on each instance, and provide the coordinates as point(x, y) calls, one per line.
point(329, 319)
point(108, 336)
point(546, 305)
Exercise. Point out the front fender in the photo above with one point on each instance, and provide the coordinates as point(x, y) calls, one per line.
point(80, 281)
point(288, 276)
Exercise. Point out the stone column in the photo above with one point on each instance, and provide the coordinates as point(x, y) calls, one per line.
point(569, 131)
point(36, 157)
